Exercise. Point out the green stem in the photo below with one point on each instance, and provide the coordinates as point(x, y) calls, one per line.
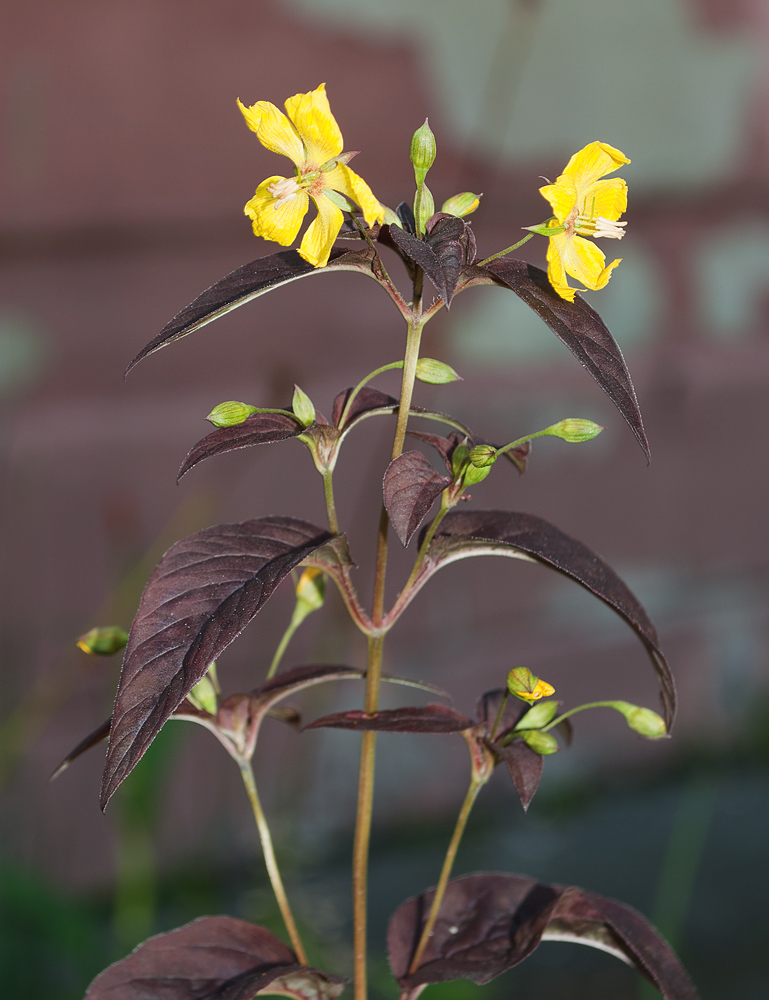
point(373, 675)
point(448, 864)
point(247, 774)
point(293, 625)
point(359, 386)
point(503, 253)
point(363, 820)
point(328, 491)
point(429, 535)
point(573, 711)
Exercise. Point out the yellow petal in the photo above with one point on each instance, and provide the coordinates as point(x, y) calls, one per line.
point(584, 261)
point(592, 162)
point(348, 183)
point(319, 238)
point(274, 130)
point(606, 198)
point(556, 271)
point(316, 126)
point(562, 196)
point(277, 221)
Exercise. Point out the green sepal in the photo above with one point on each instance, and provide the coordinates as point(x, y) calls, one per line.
point(542, 743)
point(303, 407)
point(538, 715)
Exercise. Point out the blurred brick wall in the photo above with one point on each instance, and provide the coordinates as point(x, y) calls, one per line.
point(126, 169)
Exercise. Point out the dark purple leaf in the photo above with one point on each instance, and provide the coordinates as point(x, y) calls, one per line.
point(427, 719)
point(366, 400)
point(496, 532)
point(490, 922)
point(524, 765)
point(259, 428)
point(443, 445)
point(213, 958)
point(487, 924)
point(586, 918)
point(519, 456)
point(579, 327)
point(98, 736)
point(411, 486)
point(200, 597)
point(246, 283)
point(453, 242)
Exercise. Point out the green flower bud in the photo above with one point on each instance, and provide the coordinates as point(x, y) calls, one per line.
point(422, 154)
point(311, 589)
point(459, 457)
point(483, 455)
point(105, 641)
point(473, 475)
point(203, 696)
point(574, 430)
point(461, 204)
point(541, 743)
point(302, 406)
point(338, 199)
point(435, 372)
point(527, 686)
point(424, 209)
point(538, 715)
point(230, 414)
point(642, 720)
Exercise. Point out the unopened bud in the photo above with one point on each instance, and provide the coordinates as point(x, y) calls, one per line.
point(541, 743)
point(203, 696)
point(424, 208)
point(574, 430)
point(230, 414)
point(483, 455)
point(104, 641)
point(435, 372)
point(301, 404)
point(527, 686)
point(642, 720)
point(538, 715)
point(310, 589)
point(461, 204)
point(422, 153)
point(473, 475)
point(459, 457)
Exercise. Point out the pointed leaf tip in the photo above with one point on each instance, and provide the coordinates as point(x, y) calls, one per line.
point(202, 594)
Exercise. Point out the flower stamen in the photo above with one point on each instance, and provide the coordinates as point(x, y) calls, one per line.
point(283, 190)
point(599, 226)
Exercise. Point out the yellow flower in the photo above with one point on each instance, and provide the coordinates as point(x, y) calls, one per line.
point(525, 685)
point(310, 137)
point(585, 205)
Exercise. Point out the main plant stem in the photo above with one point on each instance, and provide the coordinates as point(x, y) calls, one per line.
point(373, 674)
point(247, 773)
point(448, 864)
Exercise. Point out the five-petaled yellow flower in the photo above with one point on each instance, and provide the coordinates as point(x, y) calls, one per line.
point(585, 205)
point(311, 138)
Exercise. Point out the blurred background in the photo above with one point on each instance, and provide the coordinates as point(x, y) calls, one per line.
point(125, 167)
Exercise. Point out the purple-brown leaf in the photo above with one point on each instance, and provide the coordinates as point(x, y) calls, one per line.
point(490, 922)
point(578, 326)
point(202, 594)
point(366, 400)
point(246, 283)
point(587, 918)
point(496, 532)
point(426, 719)
point(442, 254)
point(213, 958)
point(259, 428)
point(524, 765)
point(411, 486)
point(487, 924)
